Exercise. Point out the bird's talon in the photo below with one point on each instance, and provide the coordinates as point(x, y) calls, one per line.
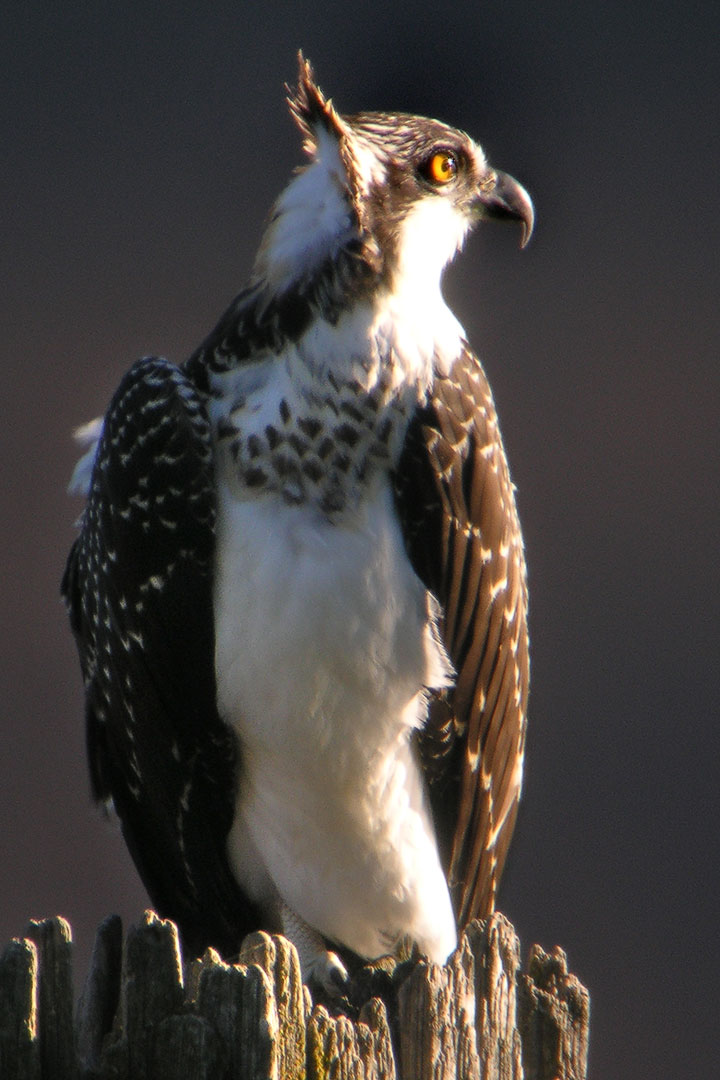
point(329, 973)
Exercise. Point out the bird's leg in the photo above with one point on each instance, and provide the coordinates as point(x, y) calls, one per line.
point(317, 963)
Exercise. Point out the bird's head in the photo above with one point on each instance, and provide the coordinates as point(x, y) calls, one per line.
point(397, 192)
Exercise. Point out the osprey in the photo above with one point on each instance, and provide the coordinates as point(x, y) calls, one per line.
point(298, 590)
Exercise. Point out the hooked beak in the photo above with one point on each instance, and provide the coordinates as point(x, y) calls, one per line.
point(499, 196)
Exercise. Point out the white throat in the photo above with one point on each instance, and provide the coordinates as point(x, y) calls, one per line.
point(430, 237)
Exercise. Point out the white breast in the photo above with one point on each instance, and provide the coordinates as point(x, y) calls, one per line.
point(323, 648)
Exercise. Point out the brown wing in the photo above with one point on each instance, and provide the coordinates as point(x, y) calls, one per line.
point(457, 505)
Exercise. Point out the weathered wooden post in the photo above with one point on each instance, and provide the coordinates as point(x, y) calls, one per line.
point(144, 1015)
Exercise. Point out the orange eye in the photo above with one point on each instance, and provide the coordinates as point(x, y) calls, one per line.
point(442, 167)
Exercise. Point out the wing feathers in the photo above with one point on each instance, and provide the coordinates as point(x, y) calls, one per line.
point(138, 586)
point(464, 540)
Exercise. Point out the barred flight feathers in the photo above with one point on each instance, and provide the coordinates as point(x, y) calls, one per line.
point(457, 504)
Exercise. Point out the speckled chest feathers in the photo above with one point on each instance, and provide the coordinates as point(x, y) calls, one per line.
point(311, 434)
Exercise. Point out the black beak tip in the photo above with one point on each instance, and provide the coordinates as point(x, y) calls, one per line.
point(528, 224)
point(509, 200)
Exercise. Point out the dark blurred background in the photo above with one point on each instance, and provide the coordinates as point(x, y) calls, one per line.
point(141, 148)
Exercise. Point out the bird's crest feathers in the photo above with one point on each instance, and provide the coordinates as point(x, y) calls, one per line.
point(323, 206)
point(316, 116)
point(311, 109)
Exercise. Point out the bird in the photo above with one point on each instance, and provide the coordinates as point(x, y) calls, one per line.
point(298, 587)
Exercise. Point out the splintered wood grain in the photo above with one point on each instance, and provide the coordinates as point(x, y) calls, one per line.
point(143, 1016)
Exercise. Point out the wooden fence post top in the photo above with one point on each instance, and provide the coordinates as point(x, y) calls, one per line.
point(143, 1014)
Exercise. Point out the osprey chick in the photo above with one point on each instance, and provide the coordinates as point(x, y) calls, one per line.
point(298, 591)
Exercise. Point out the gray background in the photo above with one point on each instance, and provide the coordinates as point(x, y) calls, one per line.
point(141, 147)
